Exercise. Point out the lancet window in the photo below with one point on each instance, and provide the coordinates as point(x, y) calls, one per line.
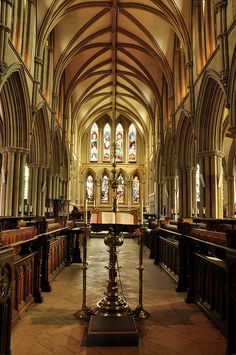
point(94, 143)
point(132, 143)
point(105, 189)
point(90, 188)
point(135, 189)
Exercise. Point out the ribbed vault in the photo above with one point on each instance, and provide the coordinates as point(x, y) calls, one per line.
point(113, 56)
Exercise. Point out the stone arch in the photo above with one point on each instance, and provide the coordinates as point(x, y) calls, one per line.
point(15, 108)
point(15, 114)
point(209, 113)
point(56, 157)
point(210, 117)
point(170, 172)
point(186, 153)
point(40, 144)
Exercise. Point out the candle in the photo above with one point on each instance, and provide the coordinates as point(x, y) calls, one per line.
point(204, 210)
point(198, 211)
point(30, 208)
point(26, 209)
point(172, 211)
point(193, 211)
point(85, 211)
point(19, 208)
point(141, 212)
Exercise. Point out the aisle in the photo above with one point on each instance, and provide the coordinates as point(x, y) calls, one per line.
point(173, 328)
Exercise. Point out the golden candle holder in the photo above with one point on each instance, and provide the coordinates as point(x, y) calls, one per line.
point(139, 312)
point(112, 304)
point(85, 312)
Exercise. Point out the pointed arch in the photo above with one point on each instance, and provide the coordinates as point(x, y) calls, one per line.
point(40, 144)
point(56, 157)
point(209, 113)
point(15, 108)
point(185, 147)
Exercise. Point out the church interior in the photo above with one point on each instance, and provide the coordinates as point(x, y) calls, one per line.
point(118, 133)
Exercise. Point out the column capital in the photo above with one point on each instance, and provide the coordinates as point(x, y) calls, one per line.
point(211, 153)
point(38, 60)
point(8, 150)
point(232, 130)
point(220, 4)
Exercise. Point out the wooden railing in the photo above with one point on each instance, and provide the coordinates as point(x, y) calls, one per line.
point(30, 257)
point(206, 271)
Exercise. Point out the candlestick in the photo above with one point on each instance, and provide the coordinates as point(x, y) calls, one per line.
point(141, 212)
point(85, 211)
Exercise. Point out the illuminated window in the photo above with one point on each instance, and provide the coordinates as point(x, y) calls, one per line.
point(119, 143)
point(132, 143)
point(198, 182)
point(105, 189)
point(107, 143)
point(89, 188)
point(94, 143)
point(135, 189)
point(120, 189)
point(26, 183)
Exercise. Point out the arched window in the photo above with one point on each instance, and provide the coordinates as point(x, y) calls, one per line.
point(105, 189)
point(132, 143)
point(120, 189)
point(89, 188)
point(26, 183)
point(119, 143)
point(107, 142)
point(198, 182)
point(94, 142)
point(135, 189)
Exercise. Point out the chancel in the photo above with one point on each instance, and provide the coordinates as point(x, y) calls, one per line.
point(117, 176)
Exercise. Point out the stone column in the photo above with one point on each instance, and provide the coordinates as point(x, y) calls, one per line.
point(221, 6)
point(34, 168)
point(16, 184)
point(199, 30)
point(211, 178)
point(231, 194)
point(9, 180)
point(181, 202)
point(39, 191)
point(194, 192)
point(5, 30)
point(3, 183)
point(23, 156)
point(49, 187)
point(187, 191)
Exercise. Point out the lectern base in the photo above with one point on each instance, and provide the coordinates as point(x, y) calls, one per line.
point(112, 331)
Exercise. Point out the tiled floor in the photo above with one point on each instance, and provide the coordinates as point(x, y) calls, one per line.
point(173, 327)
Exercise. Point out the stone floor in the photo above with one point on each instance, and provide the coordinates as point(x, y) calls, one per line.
point(173, 327)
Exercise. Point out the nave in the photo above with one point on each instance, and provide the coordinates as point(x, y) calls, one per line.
point(174, 327)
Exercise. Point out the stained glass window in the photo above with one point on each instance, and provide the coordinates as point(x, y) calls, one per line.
point(132, 143)
point(94, 143)
point(105, 189)
point(107, 142)
point(89, 188)
point(120, 189)
point(198, 182)
point(135, 189)
point(119, 143)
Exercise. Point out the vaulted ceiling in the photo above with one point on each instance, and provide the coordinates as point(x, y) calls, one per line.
point(113, 55)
